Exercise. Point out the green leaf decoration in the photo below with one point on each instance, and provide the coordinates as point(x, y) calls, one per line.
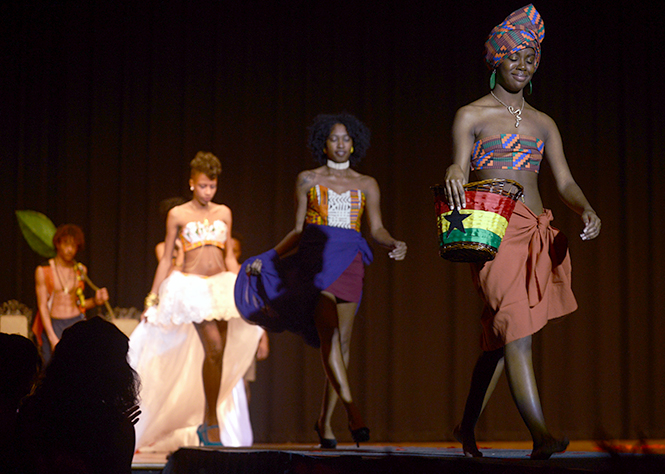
point(38, 231)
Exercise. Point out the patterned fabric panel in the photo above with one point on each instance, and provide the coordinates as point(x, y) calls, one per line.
point(326, 207)
point(508, 152)
point(201, 233)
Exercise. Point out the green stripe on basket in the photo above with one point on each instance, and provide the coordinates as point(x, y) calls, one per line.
point(472, 235)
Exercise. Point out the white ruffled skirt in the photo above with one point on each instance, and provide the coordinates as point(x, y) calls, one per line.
point(187, 298)
point(166, 351)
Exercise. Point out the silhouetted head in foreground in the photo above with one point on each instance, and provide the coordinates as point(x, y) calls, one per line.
point(77, 417)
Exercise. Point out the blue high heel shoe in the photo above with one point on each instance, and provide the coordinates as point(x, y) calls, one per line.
point(202, 431)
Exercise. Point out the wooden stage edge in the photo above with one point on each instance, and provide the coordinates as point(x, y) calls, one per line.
point(500, 456)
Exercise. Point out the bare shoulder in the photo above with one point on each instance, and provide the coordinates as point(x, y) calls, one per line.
point(308, 178)
point(178, 213)
point(477, 108)
point(470, 118)
point(469, 112)
point(368, 183)
point(546, 125)
point(221, 210)
point(39, 274)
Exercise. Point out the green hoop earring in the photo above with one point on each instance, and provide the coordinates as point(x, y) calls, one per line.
point(493, 80)
point(530, 88)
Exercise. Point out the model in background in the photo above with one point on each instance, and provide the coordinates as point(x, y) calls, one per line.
point(183, 305)
point(316, 292)
point(59, 286)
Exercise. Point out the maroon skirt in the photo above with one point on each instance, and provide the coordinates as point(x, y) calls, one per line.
point(349, 285)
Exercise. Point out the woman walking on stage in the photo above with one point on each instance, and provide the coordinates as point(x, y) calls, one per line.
point(316, 292)
point(162, 347)
point(528, 283)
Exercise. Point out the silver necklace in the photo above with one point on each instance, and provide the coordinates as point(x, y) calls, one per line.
point(516, 112)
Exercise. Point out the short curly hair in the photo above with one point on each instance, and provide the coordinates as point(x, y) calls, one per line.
point(320, 130)
point(72, 231)
point(206, 163)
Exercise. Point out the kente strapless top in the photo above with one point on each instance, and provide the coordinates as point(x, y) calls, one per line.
point(508, 152)
point(326, 207)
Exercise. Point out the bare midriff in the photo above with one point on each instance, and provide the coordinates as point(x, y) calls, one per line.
point(528, 179)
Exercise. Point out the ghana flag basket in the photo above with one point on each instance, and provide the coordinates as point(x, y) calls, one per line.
point(474, 233)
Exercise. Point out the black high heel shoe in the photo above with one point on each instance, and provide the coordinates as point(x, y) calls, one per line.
point(326, 443)
point(361, 435)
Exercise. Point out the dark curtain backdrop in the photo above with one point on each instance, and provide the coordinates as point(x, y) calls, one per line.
point(104, 104)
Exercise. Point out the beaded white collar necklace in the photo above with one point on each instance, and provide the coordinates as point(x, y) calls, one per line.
point(338, 166)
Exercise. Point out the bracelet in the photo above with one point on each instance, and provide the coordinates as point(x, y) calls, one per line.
point(151, 300)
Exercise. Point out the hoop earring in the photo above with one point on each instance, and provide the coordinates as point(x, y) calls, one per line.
point(493, 80)
point(530, 88)
point(352, 150)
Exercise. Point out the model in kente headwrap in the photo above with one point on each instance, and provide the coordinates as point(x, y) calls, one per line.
point(500, 136)
point(524, 28)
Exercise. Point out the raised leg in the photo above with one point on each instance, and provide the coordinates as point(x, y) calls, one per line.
point(213, 338)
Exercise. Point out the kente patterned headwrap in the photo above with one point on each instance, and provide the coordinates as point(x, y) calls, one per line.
point(523, 28)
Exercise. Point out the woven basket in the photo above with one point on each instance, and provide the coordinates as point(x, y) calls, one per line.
point(474, 233)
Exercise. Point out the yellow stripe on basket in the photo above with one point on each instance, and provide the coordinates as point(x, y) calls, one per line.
point(478, 220)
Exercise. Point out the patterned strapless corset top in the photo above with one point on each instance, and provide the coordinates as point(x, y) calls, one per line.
point(508, 152)
point(326, 207)
point(200, 233)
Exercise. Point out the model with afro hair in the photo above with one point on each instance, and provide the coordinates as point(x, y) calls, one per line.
point(331, 200)
point(320, 130)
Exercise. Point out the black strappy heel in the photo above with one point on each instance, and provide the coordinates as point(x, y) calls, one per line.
point(326, 443)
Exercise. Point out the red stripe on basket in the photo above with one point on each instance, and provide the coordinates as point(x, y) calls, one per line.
point(482, 201)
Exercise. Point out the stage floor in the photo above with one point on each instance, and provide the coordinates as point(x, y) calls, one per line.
point(581, 456)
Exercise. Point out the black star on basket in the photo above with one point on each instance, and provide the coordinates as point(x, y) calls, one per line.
point(455, 219)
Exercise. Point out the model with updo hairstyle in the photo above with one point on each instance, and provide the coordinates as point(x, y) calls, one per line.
point(206, 163)
point(323, 124)
point(316, 292)
point(191, 325)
